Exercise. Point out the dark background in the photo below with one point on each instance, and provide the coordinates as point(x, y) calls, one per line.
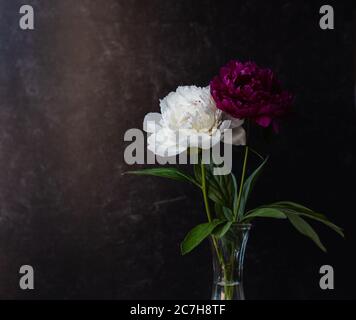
point(90, 71)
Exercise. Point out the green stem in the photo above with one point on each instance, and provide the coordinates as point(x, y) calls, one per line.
point(205, 194)
point(242, 180)
point(207, 208)
point(208, 213)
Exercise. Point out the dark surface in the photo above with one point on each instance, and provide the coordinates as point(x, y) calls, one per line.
point(91, 70)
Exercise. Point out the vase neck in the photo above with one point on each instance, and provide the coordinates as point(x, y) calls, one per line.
point(228, 258)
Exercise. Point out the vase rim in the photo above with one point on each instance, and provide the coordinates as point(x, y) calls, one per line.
point(243, 226)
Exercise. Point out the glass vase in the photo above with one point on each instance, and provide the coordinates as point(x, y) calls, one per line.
point(228, 259)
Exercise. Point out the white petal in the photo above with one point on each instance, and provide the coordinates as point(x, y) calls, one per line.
point(151, 123)
point(216, 137)
point(165, 143)
point(235, 122)
point(226, 124)
point(205, 141)
point(193, 151)
point(238, 136)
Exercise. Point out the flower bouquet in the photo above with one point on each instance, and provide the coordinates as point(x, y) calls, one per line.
point(193, 122)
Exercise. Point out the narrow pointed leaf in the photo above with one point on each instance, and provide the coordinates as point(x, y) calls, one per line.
point(228, 214)
point(198, 234)
point(248, 186)
point(256, 153)
point(226, 188)
point(169, 173)
point(264, 213)
point(306, 212)
point(222, 229)
point(197, 173)
point(217, 186)
point(229, 186)
point(215, 195)
point(326, 222)
point(305, 228)
point(235, 195)
point(293, 206)
point(219, 211)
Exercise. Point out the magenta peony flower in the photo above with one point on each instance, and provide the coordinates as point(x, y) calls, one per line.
point(246, 91)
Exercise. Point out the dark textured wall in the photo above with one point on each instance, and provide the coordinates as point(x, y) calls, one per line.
point(91, 70)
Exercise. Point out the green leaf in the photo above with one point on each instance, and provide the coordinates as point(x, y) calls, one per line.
point(198, 234)
point(292, 205)
point(247, 188)
point(197, 173)
point(215, 195)
point(223, 185)
point(218, 187)
point(235, 196)
point(228, 214)
point(325, 222)
point(298, 209)
point(305, 228)
point(256, 153)
point(219, 211)
point(227, 188)
point(264, 212)
point(221, 230)
point(169, 173)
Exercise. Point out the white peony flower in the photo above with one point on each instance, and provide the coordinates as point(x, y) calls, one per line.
point(189, 119)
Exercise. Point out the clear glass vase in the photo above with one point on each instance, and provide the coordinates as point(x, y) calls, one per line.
point(228, 259)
